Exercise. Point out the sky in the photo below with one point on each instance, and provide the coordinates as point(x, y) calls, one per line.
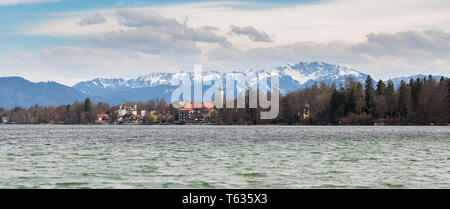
point(69, 41)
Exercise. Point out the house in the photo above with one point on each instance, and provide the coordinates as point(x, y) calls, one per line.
point(195, 105)
point(126, 109)
point(191, 113)
point(130, 114)
point(4, 120)
point(133, 119)
point(306, 113)
point(185, 114)
point(102, 119)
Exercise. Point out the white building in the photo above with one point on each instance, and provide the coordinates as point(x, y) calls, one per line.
point(4, 120)
point(129, 112)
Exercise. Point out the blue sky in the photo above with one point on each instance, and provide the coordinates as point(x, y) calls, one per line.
point(74, 40)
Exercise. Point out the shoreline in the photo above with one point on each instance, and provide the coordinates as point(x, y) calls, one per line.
point(219, 125)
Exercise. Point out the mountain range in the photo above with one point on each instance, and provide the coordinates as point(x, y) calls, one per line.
point(292, 77)
point(16, 91)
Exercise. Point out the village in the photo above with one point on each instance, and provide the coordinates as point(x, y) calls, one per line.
point(190, 113)
point(131, 114)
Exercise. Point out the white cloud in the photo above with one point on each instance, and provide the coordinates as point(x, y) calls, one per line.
point(69, 26)
point(70, 65)
point(325, 21)
point(153, 33)
point(92, 20)
point(15, 2)
point(251, 33)
point(383, 55)
point(133, 18)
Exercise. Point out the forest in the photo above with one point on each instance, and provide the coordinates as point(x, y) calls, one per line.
point(423, 101)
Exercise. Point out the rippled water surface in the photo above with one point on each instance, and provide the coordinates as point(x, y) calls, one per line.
point(224, 157)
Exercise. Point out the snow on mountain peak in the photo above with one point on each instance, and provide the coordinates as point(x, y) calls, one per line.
point(292, 76)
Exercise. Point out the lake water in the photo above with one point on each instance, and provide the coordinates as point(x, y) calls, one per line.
point(45, 156)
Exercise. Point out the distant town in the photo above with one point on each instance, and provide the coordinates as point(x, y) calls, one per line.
point(131, 114)
point(125, 114)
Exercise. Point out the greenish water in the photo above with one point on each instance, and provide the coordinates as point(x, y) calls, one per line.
point(224, 157)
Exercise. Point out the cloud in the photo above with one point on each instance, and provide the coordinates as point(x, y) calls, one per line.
point(92, 20)
point(321, 21)
point(153, 33)
point(145, 39)
point(132, 18)
point(433, 44)
point(15, 2)
point(430, 44)
point(210, 28)
point(251, 33)
point(70, 65)
point(168, 26)
point(382, 54)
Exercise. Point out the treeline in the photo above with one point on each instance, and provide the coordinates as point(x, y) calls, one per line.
point(76, 113)
point(422, 101)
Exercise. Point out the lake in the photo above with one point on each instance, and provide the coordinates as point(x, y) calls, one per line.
point(72, 156)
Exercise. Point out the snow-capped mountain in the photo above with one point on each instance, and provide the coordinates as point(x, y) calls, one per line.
point(300, 75)
point(304, 75)
point(291, 76)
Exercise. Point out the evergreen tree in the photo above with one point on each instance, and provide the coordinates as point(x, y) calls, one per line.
point(87, 116)
point(369, 95)
point(380, 109)
point(416, 87)
point(381, 88)
point(68, 116)
point(87, 105)
point(333, 104)
point(448, 100)
point(359, 94)
point(34, 119)
point(390, 88)
point(403, 100)
point(337, 105)
point(350, 104)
